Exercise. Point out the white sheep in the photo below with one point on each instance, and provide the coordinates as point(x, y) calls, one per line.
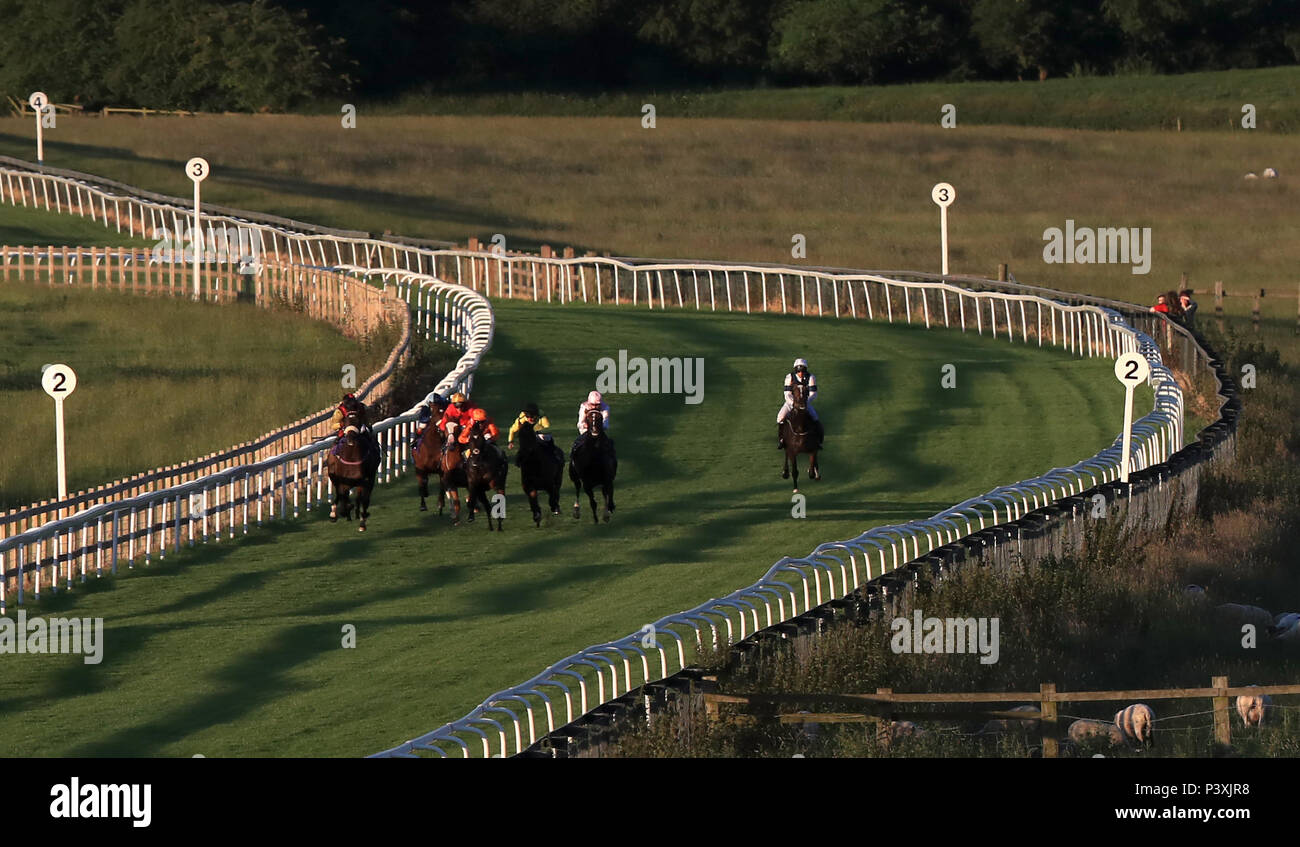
point(1137, 723)
point(1010, 724)
point(1084, 731)
point(1239, 614)
point(904, 729)
point(1252, 707)
point(1270, 173)
point(1286, 627)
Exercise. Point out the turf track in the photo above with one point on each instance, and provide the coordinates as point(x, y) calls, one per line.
point(234, 649)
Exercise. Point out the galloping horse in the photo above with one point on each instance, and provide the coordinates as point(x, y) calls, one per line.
point(485, 469)
point(352, 464)
point(593, 464)
point(451, 476)
point(428, 462)
point(801, 436)
point(541, 466)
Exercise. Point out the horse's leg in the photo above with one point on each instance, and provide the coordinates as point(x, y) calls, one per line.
point(424, 490)
point(785, 466)
point(334, 505)
point(534, 506)
point(553, 490)
point(442, 496)
point(814, 470)
point(363, 505)
point(607, 488)
point(591, 496)
point(794, 465)
point(455, 506)
point(577, 498)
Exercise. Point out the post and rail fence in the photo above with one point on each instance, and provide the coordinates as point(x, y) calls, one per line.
point(1022, 519)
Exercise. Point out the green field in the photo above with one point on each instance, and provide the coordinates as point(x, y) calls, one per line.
point(160, 381)
point(27, 227)
point(740, 189)
point(234, 649)
point(1201, 101)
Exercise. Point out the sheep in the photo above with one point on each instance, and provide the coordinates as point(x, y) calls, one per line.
point(1084, 732)
point(1137, 723)
point(1286, 627)
point(1252, 175)
point(1270, 173)
point(1239, 614)
point(893, 731)
point(1010, 725)
point(1252, 707)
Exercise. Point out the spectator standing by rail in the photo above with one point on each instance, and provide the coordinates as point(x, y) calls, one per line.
point(1189, 308)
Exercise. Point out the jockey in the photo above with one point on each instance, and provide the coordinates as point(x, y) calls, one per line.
point(532, 415)
point(456, 415)
point(478, 416)
point(799, 375)
point(352, 406)
point(594, 401)
point(435, 405)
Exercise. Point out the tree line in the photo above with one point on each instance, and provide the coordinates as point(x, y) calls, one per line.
point(279, 54)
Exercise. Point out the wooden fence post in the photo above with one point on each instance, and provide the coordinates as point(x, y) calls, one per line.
point(1002, 272)
point(1218, 298)
point(1222, 726)
point(1047, 723)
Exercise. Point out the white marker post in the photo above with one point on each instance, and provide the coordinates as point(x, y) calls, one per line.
point(1132, 370)
point(943, 194)
point(197, 170)
point(59, 381)
point(38, 101)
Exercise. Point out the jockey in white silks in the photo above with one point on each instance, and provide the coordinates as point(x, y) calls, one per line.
point(594, 401)
point(799, 375)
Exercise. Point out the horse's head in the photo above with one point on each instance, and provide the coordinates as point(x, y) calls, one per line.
point(595, 421)
point(800, 395)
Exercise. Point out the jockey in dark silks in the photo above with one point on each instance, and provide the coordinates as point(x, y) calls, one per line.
point(353, 408)
point(429, 409)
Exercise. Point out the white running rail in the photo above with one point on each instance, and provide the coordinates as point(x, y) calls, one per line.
point(460, 314)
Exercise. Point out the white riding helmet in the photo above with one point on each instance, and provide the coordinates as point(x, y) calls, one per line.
point(800, 363)
point(594, 398)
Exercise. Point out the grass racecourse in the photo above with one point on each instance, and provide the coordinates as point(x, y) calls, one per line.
point(159, 381)
point(235, 649)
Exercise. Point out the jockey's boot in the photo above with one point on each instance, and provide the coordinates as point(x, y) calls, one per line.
point(780, 435)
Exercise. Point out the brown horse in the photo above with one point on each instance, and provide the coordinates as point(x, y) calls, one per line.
point(451, 476)
point(801, 435)
point(428, 462)
point(485, 468)
point(352, 464)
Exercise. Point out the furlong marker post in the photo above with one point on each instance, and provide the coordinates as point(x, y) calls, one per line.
point(1132, 370)
point(37, 101)
point(59, 381)
point(197, 170)
point(943, 194)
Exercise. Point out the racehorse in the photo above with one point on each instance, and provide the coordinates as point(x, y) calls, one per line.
point(801, 435)
point(428, 462)
point(485, 468)
point(593, 464)
point(541, 466)
point(352, 464)
point(451, 476)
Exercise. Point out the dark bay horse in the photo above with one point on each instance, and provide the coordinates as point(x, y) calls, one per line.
point(541, 467)
point(593, 464)
point(428, 462)
point(485, 469)
point(352, 464)
point(801, 435)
